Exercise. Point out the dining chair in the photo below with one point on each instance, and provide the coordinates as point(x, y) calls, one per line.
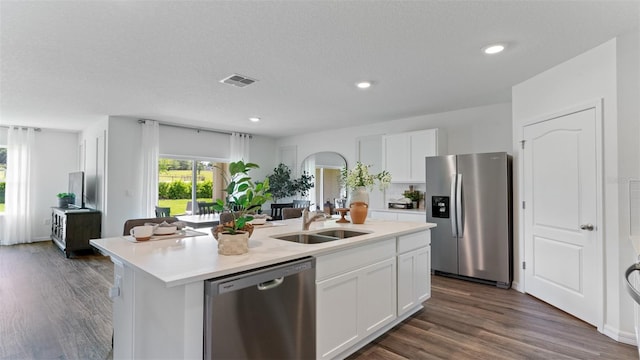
point(301, 203)
point(205, 208)
point(226, 217)
point(291, 213)
point(129, 224)
point(163, 211)
point(276, 210)
point(189, 209)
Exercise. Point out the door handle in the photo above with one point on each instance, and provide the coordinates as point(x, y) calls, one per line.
point(587, 227)
point(459, 208)
point(452, 208)
point(271, 284)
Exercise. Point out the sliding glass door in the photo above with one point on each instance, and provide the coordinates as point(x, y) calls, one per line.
point(182, 183)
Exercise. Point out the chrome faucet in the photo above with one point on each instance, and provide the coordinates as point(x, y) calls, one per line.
point(306, 222)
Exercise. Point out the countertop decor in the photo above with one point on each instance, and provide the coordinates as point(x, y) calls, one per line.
point(243, 198)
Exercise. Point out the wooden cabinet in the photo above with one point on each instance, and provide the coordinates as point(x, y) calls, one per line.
point(414, 270)
point(356, 296)
point(72, 229)
point(403, 154)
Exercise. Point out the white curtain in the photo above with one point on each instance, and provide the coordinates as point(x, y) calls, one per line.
point(150, 153)
point(18, 210)
point(240, 147)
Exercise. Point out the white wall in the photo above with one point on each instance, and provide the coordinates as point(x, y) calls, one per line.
point(585, 78)
point(628, 87)
point(478, 129)
point(54, 156)
point(123, 180)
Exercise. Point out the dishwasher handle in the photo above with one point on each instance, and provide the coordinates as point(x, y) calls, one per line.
point(268, 285)
point(635, 294)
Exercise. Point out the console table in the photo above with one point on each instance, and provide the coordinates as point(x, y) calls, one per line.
point(71, 229)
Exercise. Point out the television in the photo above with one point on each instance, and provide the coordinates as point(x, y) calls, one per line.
point(76, 187)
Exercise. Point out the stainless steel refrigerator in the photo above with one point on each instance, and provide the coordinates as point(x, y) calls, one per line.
point(470, 198)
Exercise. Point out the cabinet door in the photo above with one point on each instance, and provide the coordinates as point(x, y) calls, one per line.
point(423, 144)
point(396, 156)
point(414, 278)
point(337, 314)
point(378, 296)
point(406, 271)
point(422, 279)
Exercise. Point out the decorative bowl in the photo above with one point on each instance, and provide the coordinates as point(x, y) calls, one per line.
point(165, 230)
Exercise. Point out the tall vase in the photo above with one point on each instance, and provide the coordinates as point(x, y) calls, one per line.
point(359, 205)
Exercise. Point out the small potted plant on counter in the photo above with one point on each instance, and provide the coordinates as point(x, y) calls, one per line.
point(244, 198)
point(413, 195)
point(64, 199)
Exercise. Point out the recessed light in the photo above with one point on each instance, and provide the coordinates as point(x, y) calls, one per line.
point(254, 119)
point(364, 84)
point(493, 49)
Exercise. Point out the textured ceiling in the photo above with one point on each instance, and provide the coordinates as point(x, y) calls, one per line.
point(65, 65)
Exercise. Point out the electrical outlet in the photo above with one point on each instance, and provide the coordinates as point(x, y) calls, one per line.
point(47, 221)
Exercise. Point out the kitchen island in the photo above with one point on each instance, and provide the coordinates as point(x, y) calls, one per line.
point(158, 291)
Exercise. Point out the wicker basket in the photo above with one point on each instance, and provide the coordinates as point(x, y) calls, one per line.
point(221, 228)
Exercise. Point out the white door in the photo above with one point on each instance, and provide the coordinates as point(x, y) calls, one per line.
point(561, 230)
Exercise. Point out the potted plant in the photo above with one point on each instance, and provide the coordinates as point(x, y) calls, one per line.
point(359, 182)
point(303, 184)
point(413, 195)
point(64, 199)
point(281, 185)
point(243, 198)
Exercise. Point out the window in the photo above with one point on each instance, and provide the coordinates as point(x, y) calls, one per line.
point(3, 175)
point(176, 188)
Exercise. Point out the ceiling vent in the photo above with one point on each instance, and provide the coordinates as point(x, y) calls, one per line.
point(238, 80)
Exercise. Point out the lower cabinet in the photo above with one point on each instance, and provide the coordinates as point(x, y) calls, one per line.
point(414, 270)
point(354, 304)
point(414, 280)
point(398, 216)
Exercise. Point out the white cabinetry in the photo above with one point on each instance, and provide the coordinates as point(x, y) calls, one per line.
point(403, 154)
point(414, 270)
point(356, 295)
point(398, 216)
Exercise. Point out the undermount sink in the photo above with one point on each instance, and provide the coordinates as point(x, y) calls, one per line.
point(306, 238)
point(321, 236)
point(341, 234)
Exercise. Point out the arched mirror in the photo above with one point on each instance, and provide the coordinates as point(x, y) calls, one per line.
point(325, 167)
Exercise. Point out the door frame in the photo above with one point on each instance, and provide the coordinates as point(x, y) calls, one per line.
point(596, 104)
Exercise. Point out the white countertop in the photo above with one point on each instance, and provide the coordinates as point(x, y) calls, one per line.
point(185, 260)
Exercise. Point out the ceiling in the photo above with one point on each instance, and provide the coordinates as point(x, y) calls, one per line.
point(65, 65)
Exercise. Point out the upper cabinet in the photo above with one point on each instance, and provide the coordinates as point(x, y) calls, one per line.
point(403, 155)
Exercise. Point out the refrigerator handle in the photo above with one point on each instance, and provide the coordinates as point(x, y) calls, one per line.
point(452, 209)
point(459, 205)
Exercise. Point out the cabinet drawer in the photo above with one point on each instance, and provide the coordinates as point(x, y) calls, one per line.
point(355, 258)
point(422, 217)
point(383, 215)
point(413, 241)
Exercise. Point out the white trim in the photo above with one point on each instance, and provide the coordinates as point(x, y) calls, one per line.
point(624, 337)
point(596, 104)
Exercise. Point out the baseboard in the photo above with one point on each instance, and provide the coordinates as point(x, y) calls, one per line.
point(516, 286)
point(624, 337)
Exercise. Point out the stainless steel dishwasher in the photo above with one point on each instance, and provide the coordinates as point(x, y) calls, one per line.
point(269, 313)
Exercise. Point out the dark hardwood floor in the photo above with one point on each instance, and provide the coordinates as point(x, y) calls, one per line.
point(57, 308)
point(465, 320)
point(52, 307)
